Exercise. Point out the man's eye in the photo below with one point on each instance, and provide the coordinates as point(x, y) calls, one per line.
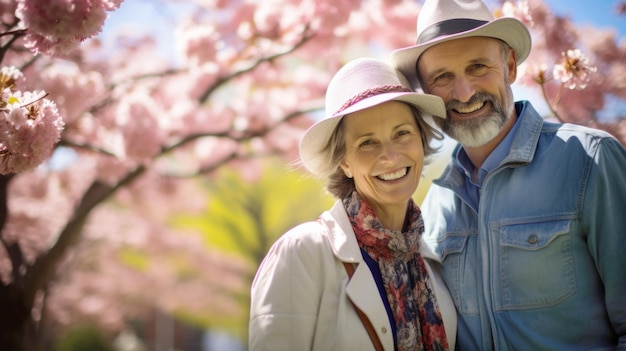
point(478, 68)
point(442, 78)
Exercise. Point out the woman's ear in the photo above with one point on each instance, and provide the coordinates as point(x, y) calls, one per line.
point(346, 169)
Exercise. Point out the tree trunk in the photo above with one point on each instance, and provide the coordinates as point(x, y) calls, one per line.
point(17, 328)
point(16, 324)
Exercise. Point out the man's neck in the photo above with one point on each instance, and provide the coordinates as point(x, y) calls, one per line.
point(478, 155)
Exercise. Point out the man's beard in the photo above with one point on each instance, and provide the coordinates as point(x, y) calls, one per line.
point(477, 132)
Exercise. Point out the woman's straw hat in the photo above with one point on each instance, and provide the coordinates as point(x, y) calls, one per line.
point(361, 84)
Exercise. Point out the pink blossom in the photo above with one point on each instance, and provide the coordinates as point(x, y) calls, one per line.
point(58, 26)
point(198, 42)
point(138, 120)
point(9, 75)
point(74, 90)
point(7, 10)
point(531, 74)
point(30, 126)
point(520, 11)
point(574, 70)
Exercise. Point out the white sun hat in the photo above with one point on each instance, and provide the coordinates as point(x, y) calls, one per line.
point(444, 20)
point(361, 84)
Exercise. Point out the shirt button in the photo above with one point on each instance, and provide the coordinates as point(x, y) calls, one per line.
point(384, 330)
point(533, 239)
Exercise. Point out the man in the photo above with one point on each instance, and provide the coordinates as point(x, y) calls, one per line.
point(529, 218)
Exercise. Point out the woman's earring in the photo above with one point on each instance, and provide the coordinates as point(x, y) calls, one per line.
point(349, 174)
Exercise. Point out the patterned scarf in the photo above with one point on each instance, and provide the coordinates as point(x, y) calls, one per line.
point(409, 291)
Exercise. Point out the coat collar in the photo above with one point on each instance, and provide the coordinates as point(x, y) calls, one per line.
point(340, 234)
point(343, 240)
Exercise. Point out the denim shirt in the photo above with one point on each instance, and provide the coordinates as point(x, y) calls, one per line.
point(540, 264)
point(493, 160)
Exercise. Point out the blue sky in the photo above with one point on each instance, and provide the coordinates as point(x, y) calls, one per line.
point(599, 13)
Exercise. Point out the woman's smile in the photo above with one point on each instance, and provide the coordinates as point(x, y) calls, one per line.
point(395, 175)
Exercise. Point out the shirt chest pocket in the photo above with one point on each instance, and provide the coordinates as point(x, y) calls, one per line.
point(536, 267)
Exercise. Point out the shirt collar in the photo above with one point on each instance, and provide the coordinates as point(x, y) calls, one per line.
point(497, 155)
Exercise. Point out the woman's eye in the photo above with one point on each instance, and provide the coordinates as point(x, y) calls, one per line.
point(404, 132)
point(366, 143)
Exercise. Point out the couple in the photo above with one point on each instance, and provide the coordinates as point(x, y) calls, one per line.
point(524, 235)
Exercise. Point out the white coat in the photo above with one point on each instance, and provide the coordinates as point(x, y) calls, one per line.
point(301, 298)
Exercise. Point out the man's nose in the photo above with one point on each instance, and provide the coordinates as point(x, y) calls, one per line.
point(463, 89)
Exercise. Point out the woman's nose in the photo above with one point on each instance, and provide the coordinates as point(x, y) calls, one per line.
point(389, 151)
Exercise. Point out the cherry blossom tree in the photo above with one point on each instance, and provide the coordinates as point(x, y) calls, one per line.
point(579, 71)
point(101, 148)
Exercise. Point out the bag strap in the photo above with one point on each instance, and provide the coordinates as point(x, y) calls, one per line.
point(366, 322)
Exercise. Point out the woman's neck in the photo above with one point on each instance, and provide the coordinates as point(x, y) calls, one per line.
point(392, 217)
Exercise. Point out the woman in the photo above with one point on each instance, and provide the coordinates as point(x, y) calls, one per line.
point(360, 266)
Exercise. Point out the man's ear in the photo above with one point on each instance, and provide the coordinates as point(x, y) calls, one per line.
point(511, 63)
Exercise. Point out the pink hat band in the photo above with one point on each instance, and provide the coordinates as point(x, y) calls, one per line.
point(372, 92)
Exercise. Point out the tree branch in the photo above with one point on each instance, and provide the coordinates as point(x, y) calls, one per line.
point(68, 143)
point(549, 103)
point(228, 133)
point(45, 265)
point(109, 100)
point(306, 36)
point(16, 35)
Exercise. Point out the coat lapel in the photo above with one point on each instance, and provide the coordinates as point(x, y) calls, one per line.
point(361, 288)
